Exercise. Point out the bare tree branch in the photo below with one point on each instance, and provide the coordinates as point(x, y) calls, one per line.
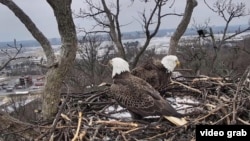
point(107, 16)
point(190, 5)
point(114, 25)
point(10, 56)
point(228, 11)
point(236, 33)
point(147, 22)
point(37, 34)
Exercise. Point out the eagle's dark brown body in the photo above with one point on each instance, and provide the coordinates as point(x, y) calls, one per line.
point(139, 97)
point(154, 73)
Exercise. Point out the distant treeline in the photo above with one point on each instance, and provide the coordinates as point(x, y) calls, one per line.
point(30, 43)
point(127, 35)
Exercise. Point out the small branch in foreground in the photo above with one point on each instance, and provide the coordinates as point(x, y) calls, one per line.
point(192, 89)
point(117, 123)
point(78, 127)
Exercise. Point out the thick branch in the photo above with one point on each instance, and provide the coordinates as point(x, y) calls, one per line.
point(114, 27)
point(190, 5)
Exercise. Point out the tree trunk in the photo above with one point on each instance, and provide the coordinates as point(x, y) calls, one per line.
point(190, 5)
point(56, 75)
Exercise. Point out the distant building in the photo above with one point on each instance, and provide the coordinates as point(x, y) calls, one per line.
point(25, 81)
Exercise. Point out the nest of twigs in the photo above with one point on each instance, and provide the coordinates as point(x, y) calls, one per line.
point(84, 116)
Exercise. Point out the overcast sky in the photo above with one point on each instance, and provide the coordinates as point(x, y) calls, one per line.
point(42, 15)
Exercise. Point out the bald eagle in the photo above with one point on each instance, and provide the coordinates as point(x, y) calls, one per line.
point(138, 96)
point(157, 72)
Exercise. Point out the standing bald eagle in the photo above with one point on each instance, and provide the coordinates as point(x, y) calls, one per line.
point(138, 96)
point(157, 72)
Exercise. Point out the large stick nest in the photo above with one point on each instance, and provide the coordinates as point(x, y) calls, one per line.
point(88, 116)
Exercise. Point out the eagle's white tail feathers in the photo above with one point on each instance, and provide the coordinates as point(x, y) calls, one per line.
point(176, 121)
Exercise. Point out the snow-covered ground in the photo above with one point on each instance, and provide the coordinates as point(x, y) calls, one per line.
point(2, 79)
point(182, 105)
point(10, 107)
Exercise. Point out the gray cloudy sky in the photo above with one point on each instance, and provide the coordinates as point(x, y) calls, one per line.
point(42, 15)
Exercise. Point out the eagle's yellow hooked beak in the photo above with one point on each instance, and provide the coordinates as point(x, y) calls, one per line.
point(178, 63)
point(110, 63)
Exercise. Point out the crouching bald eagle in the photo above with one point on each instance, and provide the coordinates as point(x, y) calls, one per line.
point(157, 72)
point(138, 96)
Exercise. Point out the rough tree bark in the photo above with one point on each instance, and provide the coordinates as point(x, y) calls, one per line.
point(190, 5)
point(56, 75)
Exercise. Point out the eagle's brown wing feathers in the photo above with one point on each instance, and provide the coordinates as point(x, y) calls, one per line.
point(141, 98)
point(154, 73)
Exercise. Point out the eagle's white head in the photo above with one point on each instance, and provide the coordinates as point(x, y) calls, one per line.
point(119, 65)
point(170, 62)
